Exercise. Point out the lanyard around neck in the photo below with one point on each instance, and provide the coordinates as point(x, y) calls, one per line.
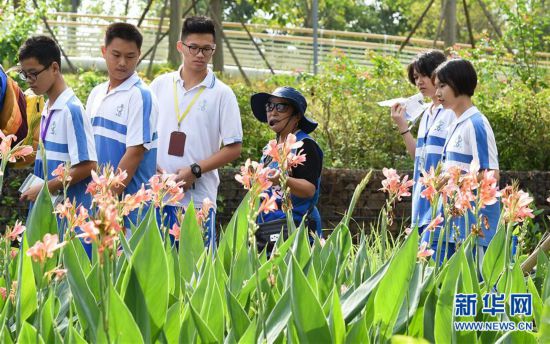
point(182, 116)
point(44, 128)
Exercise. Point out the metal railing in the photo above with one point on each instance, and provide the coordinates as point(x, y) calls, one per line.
point(287, 49)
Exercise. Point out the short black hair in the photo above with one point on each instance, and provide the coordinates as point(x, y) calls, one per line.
point(425, 63)
point(125, 31)
point(42, 48)
point(198, 24)
point(459, 74)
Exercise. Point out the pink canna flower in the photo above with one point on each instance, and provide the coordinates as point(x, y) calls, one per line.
point(3, 293)
point(90, 233)
point(272, 150)
point(268, 203)
point(45, 249)
point(516, 204)
point(424, 252)
point(132, 202)
point(408, 231)
point(293, 160)
point(488, 189)
point(431, 182)
point(393, 184)
point(21, 152)
point(62, 173)
point(435, 223)
point(291, 143)
point(65, 209)
point(175, 231)
point(203, 213)
point(15, 233)
point(59, 273)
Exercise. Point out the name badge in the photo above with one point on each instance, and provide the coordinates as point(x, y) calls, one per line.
point(176, 147)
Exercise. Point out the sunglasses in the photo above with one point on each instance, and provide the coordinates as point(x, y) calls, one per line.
point(279, 107)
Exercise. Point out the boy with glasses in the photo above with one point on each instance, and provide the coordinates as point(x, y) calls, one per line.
point(65, 129)
point(124, 113)
point(198, 114)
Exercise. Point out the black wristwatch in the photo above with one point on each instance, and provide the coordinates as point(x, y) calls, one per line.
point(196, 170)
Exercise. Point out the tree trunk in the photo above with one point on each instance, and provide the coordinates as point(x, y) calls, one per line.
point(174, 57)
point(217, 59)
point(450, 23)
point(16, 4)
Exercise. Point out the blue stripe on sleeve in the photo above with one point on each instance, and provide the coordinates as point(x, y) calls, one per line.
point(56, 147)
point(454, 156)
point(147, 106)
point(106, 123)
point(79, 131)
point(481, 141)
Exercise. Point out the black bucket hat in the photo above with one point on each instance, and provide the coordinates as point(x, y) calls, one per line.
point(258, 101)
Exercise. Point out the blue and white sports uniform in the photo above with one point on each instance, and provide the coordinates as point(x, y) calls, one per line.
point(432, 133)
point(69, 140)
point(471, 140)
point(125, 117)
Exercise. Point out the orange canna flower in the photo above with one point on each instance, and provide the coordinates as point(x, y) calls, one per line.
point(268, 203)
point(175, 231)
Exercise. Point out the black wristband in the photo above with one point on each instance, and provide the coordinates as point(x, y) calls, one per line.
point(406, 131)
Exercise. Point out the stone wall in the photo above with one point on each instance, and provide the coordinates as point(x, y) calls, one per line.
point(337, 188)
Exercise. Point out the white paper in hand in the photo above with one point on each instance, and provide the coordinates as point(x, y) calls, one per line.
point(413, 105)
point(33, 180)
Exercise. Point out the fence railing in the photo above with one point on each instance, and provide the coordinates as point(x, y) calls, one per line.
point(286, 49)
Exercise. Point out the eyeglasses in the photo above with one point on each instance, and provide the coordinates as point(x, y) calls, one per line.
point(279, 107)
point(194, 50)
point(31, 76)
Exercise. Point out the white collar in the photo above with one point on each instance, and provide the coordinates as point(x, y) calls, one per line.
point(61, 100)
point(208, 81)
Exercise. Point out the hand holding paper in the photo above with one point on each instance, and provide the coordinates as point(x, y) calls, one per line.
point(413, 105)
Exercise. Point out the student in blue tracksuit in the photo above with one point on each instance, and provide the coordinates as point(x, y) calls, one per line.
point(470, 140)
point(284, 112)
point(426, 150)
point(65, 129)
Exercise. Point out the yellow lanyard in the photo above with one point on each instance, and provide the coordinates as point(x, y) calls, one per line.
point(182, 116)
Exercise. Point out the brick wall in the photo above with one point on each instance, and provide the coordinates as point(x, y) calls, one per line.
point(336, 191)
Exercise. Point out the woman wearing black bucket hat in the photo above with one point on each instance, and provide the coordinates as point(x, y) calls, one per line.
point(284, 112)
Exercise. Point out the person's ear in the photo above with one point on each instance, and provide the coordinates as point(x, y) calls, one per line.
point(179, 46)
point(55, 67)
point(103, 51)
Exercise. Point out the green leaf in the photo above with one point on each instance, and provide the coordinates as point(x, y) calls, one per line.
point(250, 334)
point(151, 271)
point(429, 316)
point(306, 310)
point(84, 301)
point(122, 326)
point(394, 286)
point(336, 320)
point(356, 301)
point(41, 219)
point(205, 333)
point(493, 261)
point(537, 301)
point(26, 289)
point(410, 304)
point(513, 337)
point(544, 325)
point(29, 334)
point(444, 331)
point(47, 326)
point(407, 340)
point(237, 315)
point(191, 243)
point(300, 247)
point(279, 317)
point(172, 325)
point(358, 332)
